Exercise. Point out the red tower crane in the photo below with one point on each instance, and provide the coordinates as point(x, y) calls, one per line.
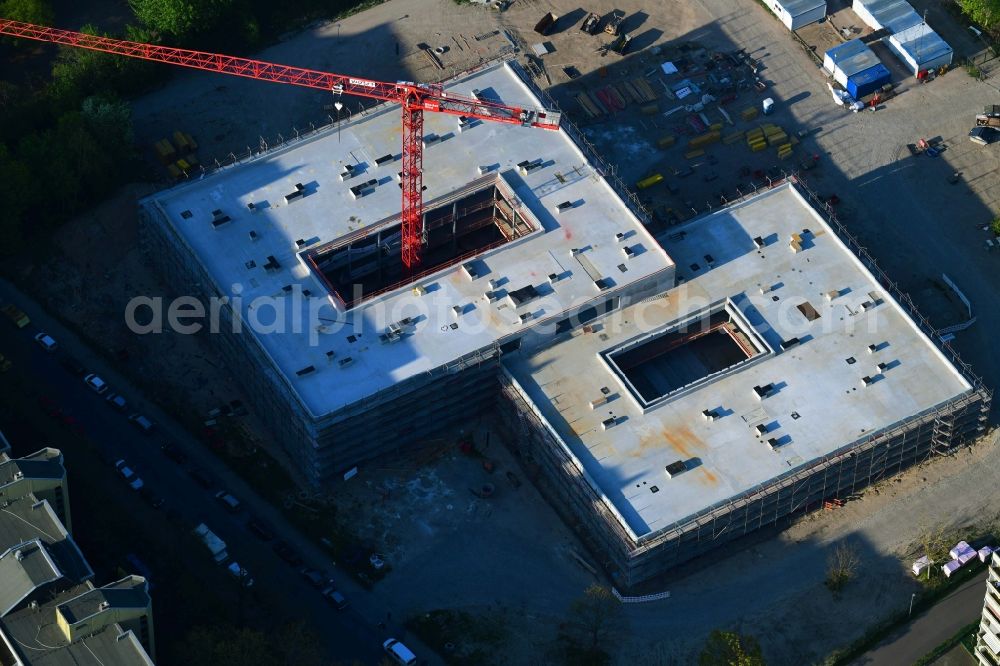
point(414, 98)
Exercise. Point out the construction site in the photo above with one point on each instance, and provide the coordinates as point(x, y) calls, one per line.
point(677, 391)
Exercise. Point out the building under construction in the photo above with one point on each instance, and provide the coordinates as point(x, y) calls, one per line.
point(675, 392)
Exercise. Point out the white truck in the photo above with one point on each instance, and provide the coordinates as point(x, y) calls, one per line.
point(214, 544)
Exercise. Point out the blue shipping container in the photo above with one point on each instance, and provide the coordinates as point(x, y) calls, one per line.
point(865, 83)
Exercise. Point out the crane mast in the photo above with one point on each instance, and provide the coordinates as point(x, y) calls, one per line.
point(413, 98)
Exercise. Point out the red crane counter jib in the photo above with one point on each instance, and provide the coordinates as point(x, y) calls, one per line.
point(414, 98)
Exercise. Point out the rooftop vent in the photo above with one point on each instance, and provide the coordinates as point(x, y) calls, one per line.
point(525, 317)
point(305, 371)
point(620, 236)
point(348, 172)
point(491, 295)
point(104, 605)
point(469, 268)
point(609, 423)
point(527, 166)
point(419, 290)
point(832, 294)
point(882, 367)
point(602, 283)
point(345, 362)
point(330, 355)
point(553, 278)
point(186, 214)
point(252, 207)
point(298, 193)
point(710, 260)
point(675, 468)
point(253, 235)
point(763, 391)
point(272, 264)
point(866, 380)
point(431, 139)
point(710, 414)
point(457, 310)
point(872, 349)
point(219, 218)
point(364, 188)
point(385, 159)
point(597, 402)
point(18, 555)
point(773, 443)
point(300, 243)
point(867, 305)
point(251, 264)
point(628, 252)
point(523, 295)
point(564, 206)
point(759, 242)
point(760, 429)
point(18, 475)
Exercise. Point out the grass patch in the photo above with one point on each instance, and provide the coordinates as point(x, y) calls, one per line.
point(934, 591)
point(461, 638)
point(959, 637)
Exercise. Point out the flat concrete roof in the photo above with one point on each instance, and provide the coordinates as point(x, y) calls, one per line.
point(819, 405)
point(328, 212)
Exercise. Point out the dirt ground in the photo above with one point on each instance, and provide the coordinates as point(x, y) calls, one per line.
point(916, 223)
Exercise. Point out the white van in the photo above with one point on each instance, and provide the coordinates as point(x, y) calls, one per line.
point(399, 652)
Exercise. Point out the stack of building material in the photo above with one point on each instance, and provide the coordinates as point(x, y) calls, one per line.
point(666, 141)
point(775, 135)
point(649, 109)
point(692, 154)
point(950, 567)
point(755, 140)
point(749, 113)
point(962, 552)
point(784, 150)
point(185, 142)
point(920, 564)
point(732, 138)
point(985, 552)
point(590, 109)
point(705, 139)
point(643, 88)
point(165, 152)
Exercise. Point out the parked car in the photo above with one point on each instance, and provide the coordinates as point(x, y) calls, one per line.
point(260, 530)
point(71, 365)
point(46, 341)
point(334, 597)
point(17, 317)
point(231, 503)
point(313, 576)
point(172, 452)
point(151, 498)
point(984, 135)
point(117, 402)
point(126, 472)
point(285, 552)
point(201, 477)
point(142, 423)
point(96, 384)
point(399, 653)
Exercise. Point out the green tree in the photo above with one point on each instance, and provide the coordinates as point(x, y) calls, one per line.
point(181, 18)
point(595, 620)
point(984, 12)
point(14, 181)
point(728, 648)
point(29, 11)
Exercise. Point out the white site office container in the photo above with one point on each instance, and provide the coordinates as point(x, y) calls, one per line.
point(797, 13)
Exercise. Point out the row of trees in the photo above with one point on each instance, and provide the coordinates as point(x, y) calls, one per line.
point(66, 142)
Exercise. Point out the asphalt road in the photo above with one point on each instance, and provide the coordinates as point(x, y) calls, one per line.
point(934, 627)
point(349, 634)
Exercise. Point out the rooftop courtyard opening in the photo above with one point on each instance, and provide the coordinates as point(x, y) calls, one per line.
point(687, 354)
point(457, 228)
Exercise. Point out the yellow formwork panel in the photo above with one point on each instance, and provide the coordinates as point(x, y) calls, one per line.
point(691, 154)
point(666, 141)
